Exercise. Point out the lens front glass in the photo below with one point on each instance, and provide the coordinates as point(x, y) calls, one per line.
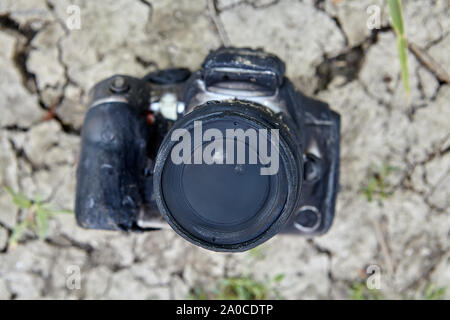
point(219, 195)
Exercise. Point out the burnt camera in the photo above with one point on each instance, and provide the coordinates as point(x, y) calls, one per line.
point(227, 156)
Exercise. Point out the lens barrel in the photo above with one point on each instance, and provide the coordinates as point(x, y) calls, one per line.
point(228, 175)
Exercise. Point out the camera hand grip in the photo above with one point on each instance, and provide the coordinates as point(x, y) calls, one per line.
point(110, 179)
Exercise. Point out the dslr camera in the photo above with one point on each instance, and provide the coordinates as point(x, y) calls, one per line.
point(227, 156)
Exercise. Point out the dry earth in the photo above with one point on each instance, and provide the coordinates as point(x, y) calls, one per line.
point(330, 54)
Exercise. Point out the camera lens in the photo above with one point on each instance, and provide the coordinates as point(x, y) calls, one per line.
point(228, 175)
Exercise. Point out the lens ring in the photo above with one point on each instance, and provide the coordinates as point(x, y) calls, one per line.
point(291, 162)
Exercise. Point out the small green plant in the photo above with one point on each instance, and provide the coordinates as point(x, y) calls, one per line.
point(395, 9)
point(198, 293)
point(257, 253)
point(433, 293)
point(359, 291)
point(37, 216)
point(241, 288)
point(377, 185)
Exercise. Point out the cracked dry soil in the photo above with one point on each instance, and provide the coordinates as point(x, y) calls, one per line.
point(46, 70)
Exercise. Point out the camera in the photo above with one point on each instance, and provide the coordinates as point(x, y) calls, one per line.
point(227, 156)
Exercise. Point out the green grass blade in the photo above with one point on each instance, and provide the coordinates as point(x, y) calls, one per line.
point(17, 232)
point(433, 293)
point(42, 222)
point(52, 211)
point(395, 8)
point(278, 277)
point(19, 199)
point(63, 211)
point(403, 54)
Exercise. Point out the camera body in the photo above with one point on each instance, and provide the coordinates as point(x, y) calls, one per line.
point(130, 179)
